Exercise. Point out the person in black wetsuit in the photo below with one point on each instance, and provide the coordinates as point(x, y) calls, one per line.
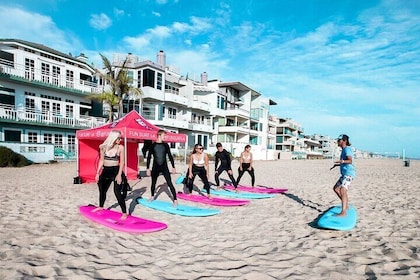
point(110, 169)
point(223, 157)
point(160, 151)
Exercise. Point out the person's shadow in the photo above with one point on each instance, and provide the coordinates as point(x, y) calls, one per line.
point(310, 204)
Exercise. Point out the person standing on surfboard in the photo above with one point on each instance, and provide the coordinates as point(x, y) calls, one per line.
point(199, 165)
point(110, 169)
point(160, 151)
point(245, 164)
point(347, 171)
point(223, 157)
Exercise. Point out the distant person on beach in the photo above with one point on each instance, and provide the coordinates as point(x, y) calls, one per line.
point(347, 172)
point(245, 164)
point(223, 157)
point(199, 165)
point(160, 151)
point(110, 169)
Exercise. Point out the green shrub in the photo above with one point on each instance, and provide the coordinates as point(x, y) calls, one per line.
point(9, 158)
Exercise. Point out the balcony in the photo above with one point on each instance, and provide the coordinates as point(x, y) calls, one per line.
point(48, 119)
point(200, 126)
point(35, 77)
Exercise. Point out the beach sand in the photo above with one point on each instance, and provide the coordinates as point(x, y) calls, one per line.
point(43, 234)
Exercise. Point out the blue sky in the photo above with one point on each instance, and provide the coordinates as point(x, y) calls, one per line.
point(348, 66)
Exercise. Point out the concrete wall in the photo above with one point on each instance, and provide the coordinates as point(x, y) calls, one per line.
point(35, 152)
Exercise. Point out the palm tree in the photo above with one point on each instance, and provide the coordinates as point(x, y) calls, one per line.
point(119, 86)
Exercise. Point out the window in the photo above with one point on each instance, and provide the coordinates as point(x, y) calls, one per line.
point(171, 113)
point(58, 140)
point(159, 81)
point(71, 141)
point(45, 72)
point(7, 58)
point(48, 138)
point(29, 69)
point(56, 75)
point(56, 108)
point(32, 137)
point(148, 78)
point(69, 78)
point(69, 111)
point(45, 106)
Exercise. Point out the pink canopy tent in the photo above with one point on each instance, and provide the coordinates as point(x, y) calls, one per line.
point(134, 129)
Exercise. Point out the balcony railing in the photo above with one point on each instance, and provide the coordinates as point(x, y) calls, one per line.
point(20, 72)
point(49, 119)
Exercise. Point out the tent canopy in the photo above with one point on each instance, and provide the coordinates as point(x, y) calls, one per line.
point(134, 129)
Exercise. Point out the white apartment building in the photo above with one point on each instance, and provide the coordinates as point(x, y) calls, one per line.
point(207, 111)
point(43, 97)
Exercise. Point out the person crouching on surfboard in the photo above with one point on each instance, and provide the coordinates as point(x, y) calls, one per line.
point(199, 165)
point(347, 172)
point(110, 169)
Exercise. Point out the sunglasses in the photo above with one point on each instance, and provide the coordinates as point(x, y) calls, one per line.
point(200, 148)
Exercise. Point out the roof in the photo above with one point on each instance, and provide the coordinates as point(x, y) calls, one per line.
point(133, 127)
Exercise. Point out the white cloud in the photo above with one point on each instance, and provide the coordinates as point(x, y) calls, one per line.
point(41, 29)
point(118, 12)
point(100, 22)
point(157, 14)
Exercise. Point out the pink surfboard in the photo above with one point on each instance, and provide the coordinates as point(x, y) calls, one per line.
point(112, 220)
point(259, 189)
point(213, 200)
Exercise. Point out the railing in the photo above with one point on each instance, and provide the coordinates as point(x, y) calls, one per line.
point(49, 118)
point(38, 76)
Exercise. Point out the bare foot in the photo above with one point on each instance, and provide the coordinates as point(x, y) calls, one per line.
point(175, 204)
point(342, 214)
point(152, 198)
point(209, 196)
point(123, 216)
point(97, 209)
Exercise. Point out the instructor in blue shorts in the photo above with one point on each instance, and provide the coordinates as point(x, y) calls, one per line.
point(347, 172)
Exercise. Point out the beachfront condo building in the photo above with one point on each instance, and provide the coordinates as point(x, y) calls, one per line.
point(46, 95)
point(44, 98)
point(207, 111)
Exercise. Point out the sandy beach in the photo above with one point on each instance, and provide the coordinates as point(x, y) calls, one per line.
point(43, 235)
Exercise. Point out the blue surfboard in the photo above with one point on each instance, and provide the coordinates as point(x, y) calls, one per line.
point(239, 194)
point(329, 219)
point(182, 210)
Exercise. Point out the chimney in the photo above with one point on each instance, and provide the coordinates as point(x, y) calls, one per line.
point(82, 57)
point(161, 58)
point(204, 78)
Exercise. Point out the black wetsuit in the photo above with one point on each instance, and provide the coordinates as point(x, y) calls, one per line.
point(225, 165)
point(107, 176)
point(245, 167)
point(160, 151)
point(202, 173)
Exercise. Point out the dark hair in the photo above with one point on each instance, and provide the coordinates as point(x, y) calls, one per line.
point(195, 147)
point(344, 137)
point(247, 146)
point(218, 145)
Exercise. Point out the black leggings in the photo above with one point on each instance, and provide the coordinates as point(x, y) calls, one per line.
point(105, 179)
point(202, 173)
point(156, 170)
point(245, 167)
point(219, 172)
